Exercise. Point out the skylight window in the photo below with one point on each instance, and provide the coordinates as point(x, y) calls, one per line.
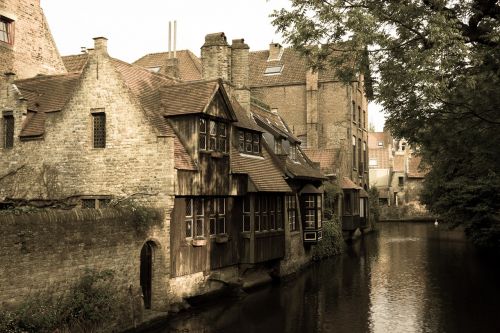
point(273, 70)
point(154, 69)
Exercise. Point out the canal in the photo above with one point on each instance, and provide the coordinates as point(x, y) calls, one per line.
point(403, 278)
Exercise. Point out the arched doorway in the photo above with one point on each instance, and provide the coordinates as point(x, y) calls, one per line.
point(146, 274)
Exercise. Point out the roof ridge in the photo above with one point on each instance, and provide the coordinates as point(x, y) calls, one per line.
point(169, 79)
point(51, 76)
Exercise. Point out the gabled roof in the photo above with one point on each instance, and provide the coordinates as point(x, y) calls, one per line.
point(44, 94)
point(381, 155)
point(76, 62)
point(192, 97)
point(189, 64)
point(273, 122)
point(374, 138)
point(347, 184)
point(294, 68)
point(265, 175)
point(399, 163)
point(243, 120)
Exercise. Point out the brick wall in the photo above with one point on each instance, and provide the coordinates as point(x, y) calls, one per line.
point(52, 249)
point(33, 51)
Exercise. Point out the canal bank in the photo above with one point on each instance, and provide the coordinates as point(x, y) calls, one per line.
point(404, 277)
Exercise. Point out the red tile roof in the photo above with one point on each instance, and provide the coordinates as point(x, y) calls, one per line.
point(45, 94)
point(75, 63)
point(375, 137)
point(294, 69)
point(189, 64)
point(264, 174)
point(242, 116)
point(347, 184)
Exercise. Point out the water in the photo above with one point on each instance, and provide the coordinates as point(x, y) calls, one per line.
point(403, 278)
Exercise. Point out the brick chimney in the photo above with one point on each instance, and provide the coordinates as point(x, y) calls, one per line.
point(216, 57)
point(240, 72)
point(101, 45)
point(312, 116)
point(275, 51)
point(172, 63)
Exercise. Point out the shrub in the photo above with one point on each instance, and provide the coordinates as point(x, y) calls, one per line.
point(332, 242)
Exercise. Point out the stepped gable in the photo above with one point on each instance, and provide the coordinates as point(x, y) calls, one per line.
point(189, 64)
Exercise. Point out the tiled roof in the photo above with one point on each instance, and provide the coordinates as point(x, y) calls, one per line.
point(266, 176)
point(414, 168)
point(145, 86)
point(75, 63)
point(189, 98)
point(381, 155)
point(294, 69)
point(347, 184)
point(189, 64)
point(302, 167)
point(243, 120)
point(45, 94)
point(326, 157)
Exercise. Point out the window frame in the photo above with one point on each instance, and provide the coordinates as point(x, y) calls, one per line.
point(213, 135)
point(8, 129)
point(8, 23)
point(291, 206)
point(98, 129)
point(249, 142)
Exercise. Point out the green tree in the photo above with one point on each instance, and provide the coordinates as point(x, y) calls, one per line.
point(435, 66)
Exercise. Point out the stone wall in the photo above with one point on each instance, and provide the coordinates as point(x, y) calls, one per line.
point(33, 50)
point(52, 249)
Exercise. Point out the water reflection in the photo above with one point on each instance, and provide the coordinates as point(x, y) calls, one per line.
point(404, 278)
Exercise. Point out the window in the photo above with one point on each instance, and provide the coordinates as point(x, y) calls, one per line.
point(6, 30)
point(401, 181)
point(256, 143)
point(364, 119)
point(353, 111)
point(360, 157)
point(354, 152)
point(277, 146)
point(217, 217)
point(293, 152)
point(99, 122)
point(273, 70)
point(380, 143)
point(257, 214)
point(360, 120)
point(92, 203)
point(246, 214)
point(291, 205)
point(8, 131)
point(310, 212)
point(279, 213)
point(248, 142)
point(203, 134)
point(365, 155)
point(216, 134)
point(373, 162)
point(195, 217)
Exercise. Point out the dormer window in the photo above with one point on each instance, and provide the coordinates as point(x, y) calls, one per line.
point(212, 135)
point(248, 142)
point(273, 70)
point(6, 30)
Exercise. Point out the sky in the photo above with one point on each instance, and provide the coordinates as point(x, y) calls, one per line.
point(136, 28)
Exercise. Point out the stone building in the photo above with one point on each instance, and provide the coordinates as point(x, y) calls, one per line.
point(233, 207)
point(26, 44)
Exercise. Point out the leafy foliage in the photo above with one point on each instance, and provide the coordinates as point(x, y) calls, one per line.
point(435, 66)
point(90, 304)
point(332, 242)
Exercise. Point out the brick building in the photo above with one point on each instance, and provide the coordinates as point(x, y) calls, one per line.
point(26, 44)
point(232, 202)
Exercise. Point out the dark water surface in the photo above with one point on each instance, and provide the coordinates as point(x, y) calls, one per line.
point(402, 278)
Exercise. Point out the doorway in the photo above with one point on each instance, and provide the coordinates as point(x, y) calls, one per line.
point(146, 274)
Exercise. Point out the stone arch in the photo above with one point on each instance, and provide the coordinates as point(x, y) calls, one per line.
point(151, 274)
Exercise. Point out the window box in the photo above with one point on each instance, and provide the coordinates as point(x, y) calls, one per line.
point(199, 242)
point(221, 238)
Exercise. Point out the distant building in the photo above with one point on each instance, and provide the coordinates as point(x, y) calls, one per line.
point(395, 170)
